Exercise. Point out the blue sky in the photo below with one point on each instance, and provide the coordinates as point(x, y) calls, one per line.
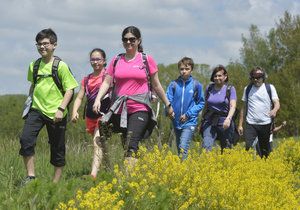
point(209, 31)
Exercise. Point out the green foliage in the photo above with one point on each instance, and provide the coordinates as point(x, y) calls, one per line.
point(279, 54)
point(11, 111)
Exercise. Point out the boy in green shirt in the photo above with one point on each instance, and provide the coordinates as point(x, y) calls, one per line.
point(48, 106)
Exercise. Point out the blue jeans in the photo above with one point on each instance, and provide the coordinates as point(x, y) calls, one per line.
point(183, 139)
point(211, 133)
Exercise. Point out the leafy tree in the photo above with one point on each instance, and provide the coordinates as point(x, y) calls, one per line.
point(278, 54)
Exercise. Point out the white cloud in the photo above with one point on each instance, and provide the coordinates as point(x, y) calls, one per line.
point(208, 31)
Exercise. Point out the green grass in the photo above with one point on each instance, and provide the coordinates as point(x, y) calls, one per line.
point(42, 193)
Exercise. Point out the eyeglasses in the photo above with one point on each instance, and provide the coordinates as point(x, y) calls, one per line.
point(96, 60)
point(44, 44)
point(131, 39)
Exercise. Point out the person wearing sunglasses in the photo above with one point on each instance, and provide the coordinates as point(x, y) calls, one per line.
point(90, 86)
point(131, 113)
point(261, 104)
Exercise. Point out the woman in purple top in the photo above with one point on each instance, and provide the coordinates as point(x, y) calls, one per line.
point(220, 105)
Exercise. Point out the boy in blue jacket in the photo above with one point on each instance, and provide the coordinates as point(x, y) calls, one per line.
point(186, 97)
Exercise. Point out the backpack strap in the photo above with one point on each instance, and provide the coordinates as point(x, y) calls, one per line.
point(195, 88)
point(114, 69)
point(147, 70)
point(174, 84)
point(115, 64)
point(210, 87)
point(85, 85)
point(268, 87)
point(228, 92)
point(55, 77)
point(35, 70)
point(248, 88)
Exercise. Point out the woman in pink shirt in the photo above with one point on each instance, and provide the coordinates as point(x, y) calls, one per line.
point(133, 74)
point(90, 87)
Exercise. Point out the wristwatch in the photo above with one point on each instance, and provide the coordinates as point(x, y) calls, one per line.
point(61, 109)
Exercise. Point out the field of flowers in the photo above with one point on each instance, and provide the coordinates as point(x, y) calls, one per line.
point(236, 179)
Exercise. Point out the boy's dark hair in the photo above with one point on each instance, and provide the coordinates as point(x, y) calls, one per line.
point(217, 69)
point(47, 33)
point(102, 52)
point(136, 32)
point(187, 62)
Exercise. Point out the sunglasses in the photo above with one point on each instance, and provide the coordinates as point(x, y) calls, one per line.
point(259, 77)
point(131, 39)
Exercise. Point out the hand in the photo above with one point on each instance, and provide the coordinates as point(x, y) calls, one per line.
point(183, 118)
point(240, 130)
point(226, 123)
point(58, 116)
point(272, 113)
point(283, 124)
point(171, 113)
point(96, 106)
point(75, 117)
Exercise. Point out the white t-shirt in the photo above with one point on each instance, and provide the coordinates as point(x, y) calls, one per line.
point(259, 104)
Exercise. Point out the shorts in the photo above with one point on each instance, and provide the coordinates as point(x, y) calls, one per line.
point(91, 125)
point(56, 134)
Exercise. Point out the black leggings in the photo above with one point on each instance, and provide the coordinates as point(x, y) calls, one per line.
point(136, 127)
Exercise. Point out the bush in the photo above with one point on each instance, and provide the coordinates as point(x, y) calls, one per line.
point(237, 179)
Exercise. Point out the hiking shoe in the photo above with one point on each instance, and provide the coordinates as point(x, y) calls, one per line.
point(27, 180)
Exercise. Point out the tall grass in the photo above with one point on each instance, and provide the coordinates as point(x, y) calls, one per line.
point(42, 193)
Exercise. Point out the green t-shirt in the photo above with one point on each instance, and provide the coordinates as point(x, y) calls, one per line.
point(46, 96)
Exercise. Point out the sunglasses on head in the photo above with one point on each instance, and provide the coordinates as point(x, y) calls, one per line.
point(131, 39)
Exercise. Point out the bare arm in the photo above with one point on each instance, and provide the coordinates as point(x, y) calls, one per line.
point(59, 113)
point(230, 114)
point(160, 92)
point(102, 91)
point(283, 124)
point(241, 120)
point(77, 103)
point(274, 111)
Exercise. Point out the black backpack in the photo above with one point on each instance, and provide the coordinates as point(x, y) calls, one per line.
point(235, 137)
point(147, 71)
point(90, 99)
point(195, 88)
point(228, 89)
point(54, 74)
point(268, 87)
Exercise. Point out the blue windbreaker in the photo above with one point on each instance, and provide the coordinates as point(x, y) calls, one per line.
point(181, 96)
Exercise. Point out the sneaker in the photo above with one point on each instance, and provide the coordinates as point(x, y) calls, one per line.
point(27, 180)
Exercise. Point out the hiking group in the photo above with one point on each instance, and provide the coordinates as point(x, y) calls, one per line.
point(118, 100)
